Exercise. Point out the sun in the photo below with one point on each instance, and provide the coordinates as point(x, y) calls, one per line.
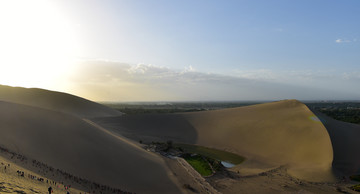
point(38, 44)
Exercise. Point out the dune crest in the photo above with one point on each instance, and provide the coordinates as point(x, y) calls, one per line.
point(73, 145)
point(277, 133)
point(56, 101)
point(269, 135)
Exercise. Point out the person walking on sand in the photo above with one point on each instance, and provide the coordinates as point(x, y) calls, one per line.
point(50, 190)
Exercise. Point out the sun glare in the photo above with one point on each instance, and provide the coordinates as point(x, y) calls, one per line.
point(37, 44)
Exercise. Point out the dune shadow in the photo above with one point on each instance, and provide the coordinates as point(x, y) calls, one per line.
point(75, 146)
point(151, 127)
point(346, 146)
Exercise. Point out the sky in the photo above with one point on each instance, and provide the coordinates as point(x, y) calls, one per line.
point(191, 50)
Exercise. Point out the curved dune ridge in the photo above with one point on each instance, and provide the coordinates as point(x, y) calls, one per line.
point(268, 135)
point(56, 101)
point(278, 133)
point(83, 149)
point(81, 137)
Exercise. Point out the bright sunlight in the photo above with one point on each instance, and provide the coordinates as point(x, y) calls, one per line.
point(38, 44)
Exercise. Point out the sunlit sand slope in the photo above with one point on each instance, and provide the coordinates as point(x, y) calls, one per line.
point(346, 144)
point(283, 133)
point(57, 101)
point(268, 135)
point(75, 146)
point(13, 182)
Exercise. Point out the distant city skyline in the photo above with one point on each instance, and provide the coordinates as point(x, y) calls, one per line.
point(183, 50)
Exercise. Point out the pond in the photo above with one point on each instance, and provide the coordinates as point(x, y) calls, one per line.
point(227, 164)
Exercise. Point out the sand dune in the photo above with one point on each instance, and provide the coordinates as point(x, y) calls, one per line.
point(346, 145)
point(12, 182)
point(87, 139)
point(68, 143)
point(279, 133)
point(269, 135)
point(152, 127)
point(56, 101)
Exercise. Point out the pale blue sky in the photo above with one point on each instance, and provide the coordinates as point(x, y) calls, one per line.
point(222, 35)
point(273, 47)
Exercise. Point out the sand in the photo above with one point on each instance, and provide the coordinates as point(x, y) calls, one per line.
point(287, 148)
point(151, 127)
point(188, 177)
point(73, 145)
point(56, 101)
point(268, 135)
point(278, 181)
point(278, 133)
point(13, 182)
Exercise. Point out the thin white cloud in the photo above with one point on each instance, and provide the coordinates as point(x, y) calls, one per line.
point(189, 69)
point(355, 76)
point(298, 77)
point(342, 40)
point(111, 81)
point(257, 74)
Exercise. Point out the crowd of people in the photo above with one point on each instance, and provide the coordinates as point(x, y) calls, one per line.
point(92, 187)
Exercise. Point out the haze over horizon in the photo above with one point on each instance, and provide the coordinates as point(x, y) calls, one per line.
point(182, 51)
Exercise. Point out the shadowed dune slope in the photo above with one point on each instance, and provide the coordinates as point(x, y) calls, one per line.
point(345, 140)
point(152, 127)
point(271, 134)
point(73, 145)
point(56, 101)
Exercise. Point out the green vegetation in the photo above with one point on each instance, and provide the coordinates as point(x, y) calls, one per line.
point(212, 153)
point(199, 163)
point(355, 178)
point(133, 111)
point(355, 187)
point(346, 115)
point(204, 160)
point(342, 111)
point(173, 107)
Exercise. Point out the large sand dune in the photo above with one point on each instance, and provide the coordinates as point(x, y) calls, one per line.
point(346, 145)
point(279, 133)
point(152, 127)
point(55, 128)
point(269, 135)
point(83, 149)
point(57, 101)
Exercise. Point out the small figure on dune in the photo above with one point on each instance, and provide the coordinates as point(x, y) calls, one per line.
point(50, 190)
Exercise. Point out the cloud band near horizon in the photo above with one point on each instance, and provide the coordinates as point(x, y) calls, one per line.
point(102, 80)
